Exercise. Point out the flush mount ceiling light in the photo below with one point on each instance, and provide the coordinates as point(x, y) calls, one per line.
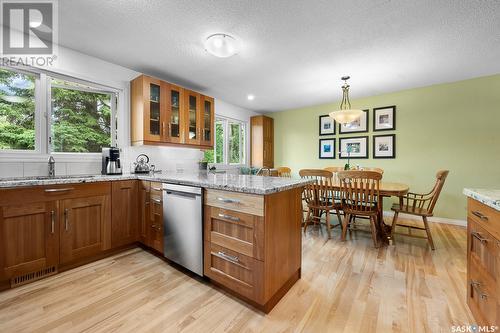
point(346, 115)
point(250, 97)
point(221, 45)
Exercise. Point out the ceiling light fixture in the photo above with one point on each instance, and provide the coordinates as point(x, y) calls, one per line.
point(346, 115)
point(250, 97)
point(221, 45)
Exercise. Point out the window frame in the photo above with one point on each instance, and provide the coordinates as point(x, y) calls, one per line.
point(226, 121)
point(43, 116)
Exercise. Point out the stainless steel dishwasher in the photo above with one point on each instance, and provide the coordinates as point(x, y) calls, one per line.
point(183, 226)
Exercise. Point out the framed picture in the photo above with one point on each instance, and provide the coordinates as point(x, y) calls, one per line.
point(356, 147)
point(384, 146)
point(326, 125)
point(358, 126)
point(327, 148)
point(384, 119)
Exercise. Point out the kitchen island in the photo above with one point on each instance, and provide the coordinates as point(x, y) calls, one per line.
point(252, 232)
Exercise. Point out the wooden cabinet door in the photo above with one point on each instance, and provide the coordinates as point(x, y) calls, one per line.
point(29, 238)
point(192, 119)
point(85, 227)
point(174, 114)
point(154, 109)
point(124, 212)
point(155, 235)
point(207, 117)
point(144, 211)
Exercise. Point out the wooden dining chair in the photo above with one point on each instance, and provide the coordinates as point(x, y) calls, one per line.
point(320, 198)
point(420, 205)
point(360, 195)
point(334, 169)
point(284, 172)
point(374, 169)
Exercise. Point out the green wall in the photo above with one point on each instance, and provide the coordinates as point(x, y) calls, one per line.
point(454, 126)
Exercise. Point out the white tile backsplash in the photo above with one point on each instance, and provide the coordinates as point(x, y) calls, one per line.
point(35, 169)
point(83, 168)
point(11, 169)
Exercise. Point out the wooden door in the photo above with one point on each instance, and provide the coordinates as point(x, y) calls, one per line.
point(85, 227)
point(192, 119)
point(268, 142)
point(153, 109)
point(144, 211)
point(124, 212)
point(207, 117)
point(29, 238)
point(174, 114)
point(155, 235)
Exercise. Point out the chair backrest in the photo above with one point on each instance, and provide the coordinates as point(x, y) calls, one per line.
point(284, 172)
point(438, 186)
point(319, 192)
point(360, 191)
point(334, 169)
point(381, 171)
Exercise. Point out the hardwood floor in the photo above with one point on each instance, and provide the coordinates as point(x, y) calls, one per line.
point(345, 287)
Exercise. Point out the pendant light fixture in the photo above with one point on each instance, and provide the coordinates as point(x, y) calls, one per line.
point(346, 115)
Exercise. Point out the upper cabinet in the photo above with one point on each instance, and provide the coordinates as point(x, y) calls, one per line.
point(261, 142)
point(165, 114)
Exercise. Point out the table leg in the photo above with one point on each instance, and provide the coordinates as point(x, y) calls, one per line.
point(384, 229)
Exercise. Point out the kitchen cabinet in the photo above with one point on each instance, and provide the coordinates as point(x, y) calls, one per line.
point(261, 142)
point(83, 227)
point(483, 263)
point(144, 211)
point(166, 114)
point(124, 226)
point(155, 233)
point(29, 239)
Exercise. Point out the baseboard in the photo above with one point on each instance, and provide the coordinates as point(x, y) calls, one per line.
point(434, 219)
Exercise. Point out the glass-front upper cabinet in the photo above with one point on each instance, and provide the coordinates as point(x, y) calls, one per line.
point(193, 124)
point(207, 121)
point(152, 99)
point(174, 115)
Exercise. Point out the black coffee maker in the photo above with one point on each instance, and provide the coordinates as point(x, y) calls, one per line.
point(111, 161)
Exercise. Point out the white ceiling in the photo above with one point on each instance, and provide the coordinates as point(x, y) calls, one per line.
point(294, 52)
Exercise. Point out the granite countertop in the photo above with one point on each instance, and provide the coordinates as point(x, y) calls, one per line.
point(490, 198)
point(221, 181)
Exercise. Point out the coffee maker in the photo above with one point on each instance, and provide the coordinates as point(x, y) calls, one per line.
point(111, 161)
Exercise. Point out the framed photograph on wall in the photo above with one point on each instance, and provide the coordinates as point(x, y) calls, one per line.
point(355, 147)
point(384, 146)
point(384, 118)
point(326, 125)
point(327, 148)
point(358, 126)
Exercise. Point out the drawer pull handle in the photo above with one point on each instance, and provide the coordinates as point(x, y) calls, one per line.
point(480, 215)
point(229, 217)
point(225, 200)
point(476, 286)
point(156, 200)
point(228, 257)
point(52, 221)
point(477, 235)
point(66, 224)
point(52, 190)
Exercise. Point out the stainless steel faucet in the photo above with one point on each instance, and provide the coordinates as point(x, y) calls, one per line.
point(52, 166)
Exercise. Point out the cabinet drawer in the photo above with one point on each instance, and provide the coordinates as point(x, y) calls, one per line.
point(485, 216)
point(239, 202)
point(240, 232)
point(482, 297)
point(483, 249)
point(157, 190)
point(234, 270)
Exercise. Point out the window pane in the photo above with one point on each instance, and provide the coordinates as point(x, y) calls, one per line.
point(234, 143)
point(81, 120)
point(219, 142)
point(17, 110)
point(242, 137)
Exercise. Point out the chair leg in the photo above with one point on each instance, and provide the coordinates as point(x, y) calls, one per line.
point(338, 217)
point(393, 226)
point(327, 223)
point(306, 223)
point(428, 230)
point(344, 226)
point(374, 231)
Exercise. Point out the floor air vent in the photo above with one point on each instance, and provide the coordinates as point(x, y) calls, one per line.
point(33, 276)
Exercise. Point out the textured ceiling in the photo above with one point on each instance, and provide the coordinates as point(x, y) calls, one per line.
point(293, 52)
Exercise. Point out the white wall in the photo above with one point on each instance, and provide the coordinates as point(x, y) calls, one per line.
point(72, 63)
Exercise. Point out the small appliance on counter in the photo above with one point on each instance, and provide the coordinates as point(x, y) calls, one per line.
point(111, 161)
point(141, 164)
